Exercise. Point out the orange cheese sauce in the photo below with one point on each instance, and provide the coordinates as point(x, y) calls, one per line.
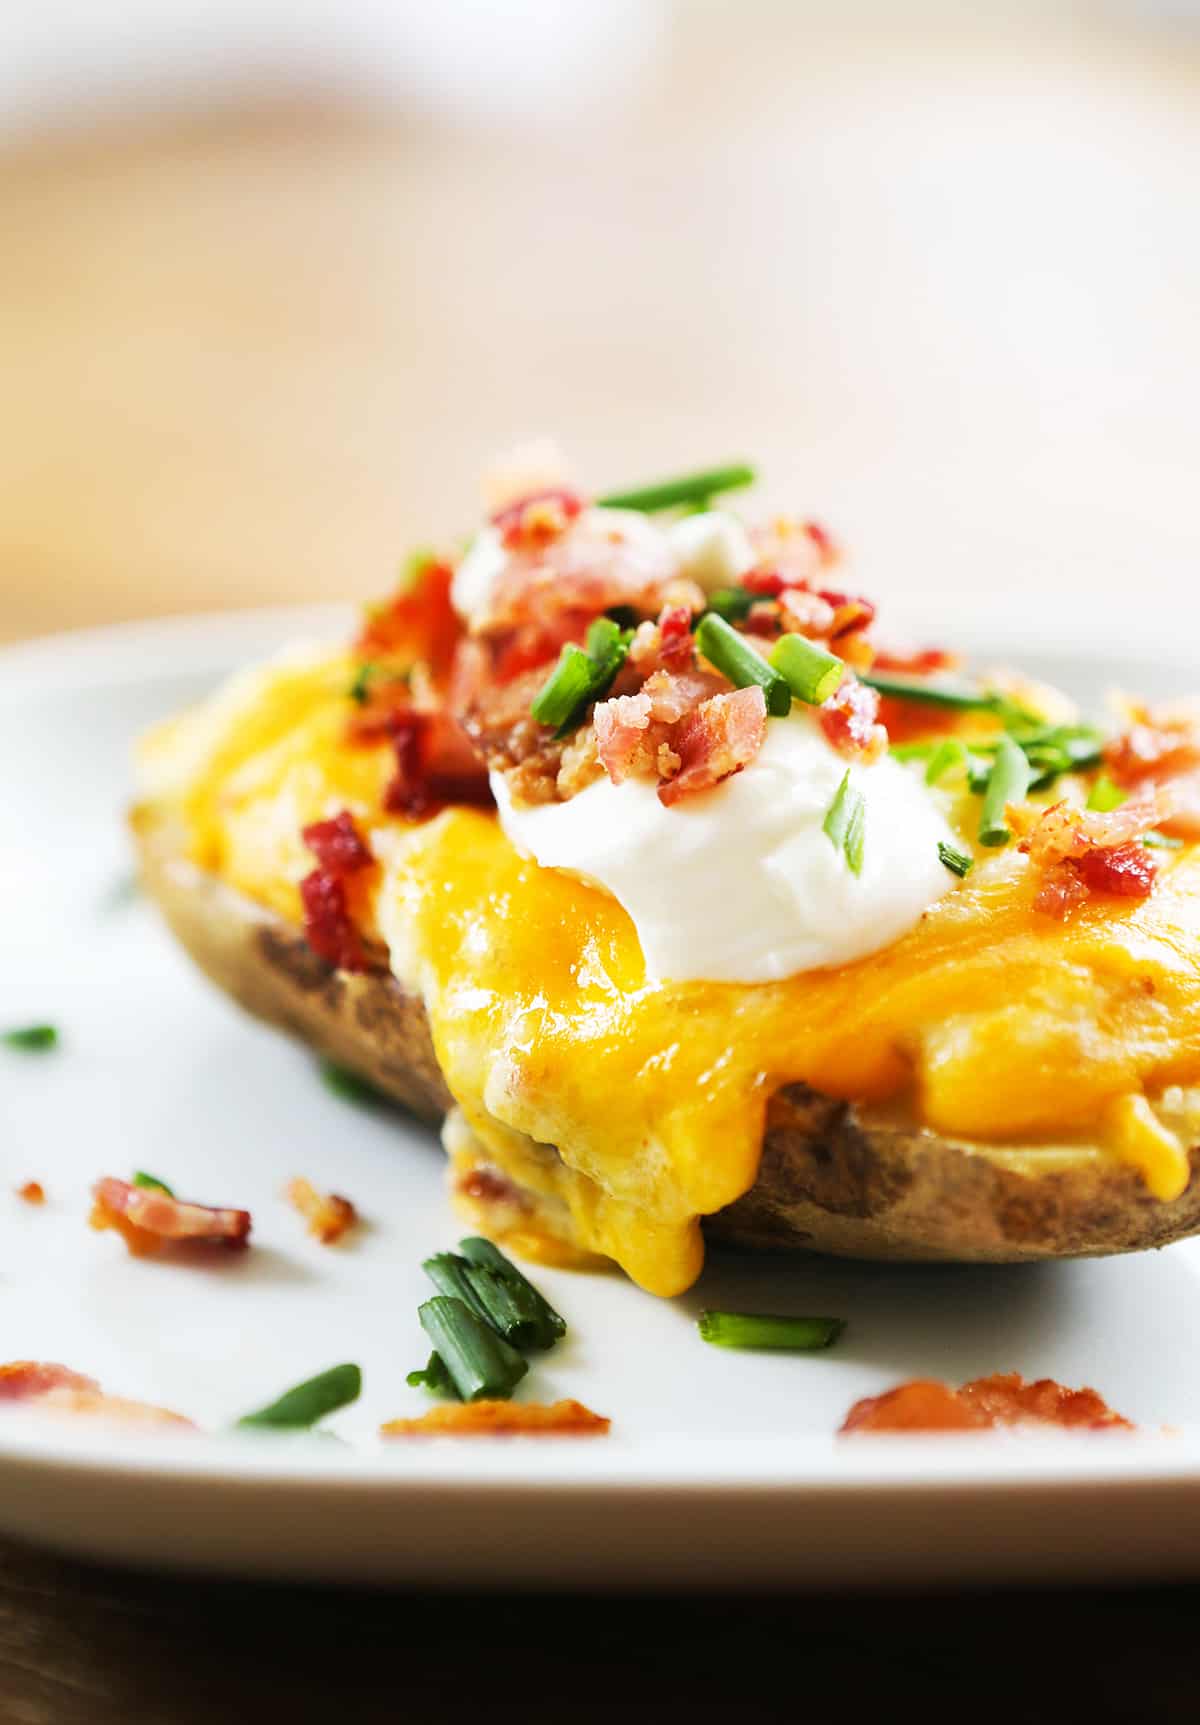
point(997, 1022)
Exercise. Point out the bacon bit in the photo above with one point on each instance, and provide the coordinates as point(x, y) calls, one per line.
point(32, 1191)
point(721, 737)
point(850, 720)
point(328, 1215)
point(436, 764)
point(338, 845)
point(675, 636)
point(620, 726)
point(59, 1390)
point(418, 626)
point(24, 1380)
point(768, 583)
point(849, 614)
point(1004, 1399)
point(805, 613)
point(148, 1220)
point(921, 662)
point(1081, 851)
point(328, 928)
point(502, 1419)
point(823, 540)
point(485, 1185)
point(1154, 747)
point(536, 520)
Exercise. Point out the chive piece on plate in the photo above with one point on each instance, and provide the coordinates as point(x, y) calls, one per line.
point(931, 694)
point(489, 1257)
point(769, 1330)
point(480, 1363)
point(1104, 796)
point(435, 1378)
point(732, 603)
point(812, 674)
point(450, 1276)
point(306, 1403)
point(845, 823)
point(958, 862)
point(31, 1038)
point(346, 1084)
point(690, 488)
point(1007, 783)
point(151, 1183)
point(733, 656)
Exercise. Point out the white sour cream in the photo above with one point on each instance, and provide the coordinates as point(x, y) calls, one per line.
point(713, 549)
point(740, 883)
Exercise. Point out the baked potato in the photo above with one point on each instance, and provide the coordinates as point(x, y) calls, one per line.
point(1004, 1074)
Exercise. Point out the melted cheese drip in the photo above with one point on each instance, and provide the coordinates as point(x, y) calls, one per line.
point(998, 1023)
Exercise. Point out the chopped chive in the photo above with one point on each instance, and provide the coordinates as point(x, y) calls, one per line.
point(958, 862)
point(414, 568)
point(1105, 796)
point(845, 823)
point(1008, 782)
point(691, 488)
point(358, 688)
point(152, 1183)
point(483, 1253)
point(769, 1330)
point(346, 1084)
point(732, 603)
point(31, 1038)
point(957, 695)
point(435, 1378)
point(732, 655)
point(948, 755)
point(812, 674)
point(449, 1276)
point(480, 1363)
point(306, 1403)
point(504, 1299)
point(912, 751)
point(581, 676)
point(1161, 841)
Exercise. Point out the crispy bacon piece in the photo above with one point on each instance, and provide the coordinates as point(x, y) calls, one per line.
point(328, 1215)
point(59, 1390)
point(418, 626)
point(805, 613)
point(633, 731)
point(435, 765)
point(1082, 851)
point(25, 1380)
point(148, 1220)
point(919, 662)
point(721, 737)
point(502, 1419)
point(1004, 1399)
point(850, 614)
point(591, 567)
point(32, 1191)
point(620, 727)
point(823, 540)
point(850, 720)
point(328, 927)
point(533, 521)
point(675, 637)
point(768, 583)
point(338, 845)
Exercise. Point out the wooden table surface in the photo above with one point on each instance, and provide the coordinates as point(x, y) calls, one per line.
point(944, 285)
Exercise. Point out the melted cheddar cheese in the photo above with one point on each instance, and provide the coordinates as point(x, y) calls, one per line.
point(637, 1107)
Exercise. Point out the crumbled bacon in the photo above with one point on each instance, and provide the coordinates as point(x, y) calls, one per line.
point(767, 583)
point(850, 720)
point(502, 1419)
point(328, 927)
point(620, 726)
point(533, 521)
point(435, 765)
point(328, 1215)
point(418, 626)
point(920, 662)
point(805, 613)
point(57, 1389)
point(823, 540)
point(148, 1219)
point(32, 1191)
point(1082, 851)
point(721, 737)
point(675, 636)
point(849, 613)
point(1004, 1399)
point(337, 844)
point(23, 1380)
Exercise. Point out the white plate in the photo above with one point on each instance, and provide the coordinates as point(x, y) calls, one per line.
point(722, 1467)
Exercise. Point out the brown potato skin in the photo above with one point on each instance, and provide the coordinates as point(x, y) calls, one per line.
point(833, 1178)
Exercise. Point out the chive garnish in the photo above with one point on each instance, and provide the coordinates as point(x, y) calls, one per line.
point(1008, 782)
point(733, 656)
point(435, 1378)
point(958, 862)
point(845, 823)
point(551, 1325)
point(949, 754)
point(362, 677)
point(690, 488)
point(479, 1362)
point(306, 1403)
point(581, 675)
point(152, 1183)
point(1105, 796)
point(732, 603)
point(769, 1330)
point(31, 1038)
point(957, 695)
point(346, 1084)
point(812, 674)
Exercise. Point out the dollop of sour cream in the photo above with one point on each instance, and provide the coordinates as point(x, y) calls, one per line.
point(741, 883)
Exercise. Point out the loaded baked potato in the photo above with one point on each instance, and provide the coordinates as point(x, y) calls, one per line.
point(621, 844)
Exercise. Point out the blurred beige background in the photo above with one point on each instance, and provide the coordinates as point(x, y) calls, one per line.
point(269, 300)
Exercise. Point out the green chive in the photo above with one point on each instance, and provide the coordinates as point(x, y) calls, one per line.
point(723, 647)
point(1008, 782)
point(414, 568)
point(479, 1362)
point(912, 751)
point(581, 677)
point(358, 688)
point(434, 1378)
point(449, 1275)
point(769, 1330)
point(552, 1326)
point(930, 694)
point(152, 1183)
point(1161, 841)
point(812, 673)
point(1105, 796)
point(306, 1403)
point(691, 488)
point(958, 862)
point(31, 1038)
point(845, 823)
point(947, 756)
point(732, 603)
point(346, 1084)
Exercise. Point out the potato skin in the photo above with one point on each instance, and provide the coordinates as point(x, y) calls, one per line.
point(833, 1178)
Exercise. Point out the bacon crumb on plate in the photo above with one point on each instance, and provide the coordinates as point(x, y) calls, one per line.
point(1004, 1399)
point(57, 1389)
point(328, 1215)
point(33, 1192)
point(149, 1220)
point(502, 1419)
